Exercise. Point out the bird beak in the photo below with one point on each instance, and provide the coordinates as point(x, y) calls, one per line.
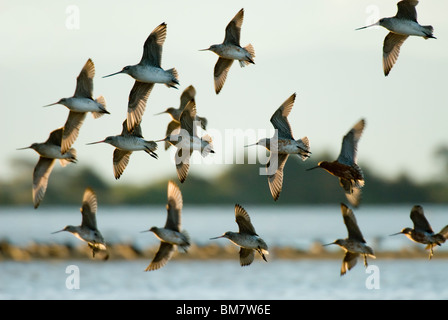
point(51, 104)
point(164, 139)
point(324, 245)
point(217, 237)
point(24, 148)
point(96, 142)
point(112, 74)
point(57, 231)
point(371, 25)
point(249, 145)
point(156, 114)
point(312, 168)
point(145, 231)
point(394, 234)
point(204, 49)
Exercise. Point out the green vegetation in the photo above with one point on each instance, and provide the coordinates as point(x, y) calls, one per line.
point(240, 183)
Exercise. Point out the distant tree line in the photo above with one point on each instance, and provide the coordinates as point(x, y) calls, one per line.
point(240, 183)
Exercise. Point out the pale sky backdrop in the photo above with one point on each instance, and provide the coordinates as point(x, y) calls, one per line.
point(307, 47)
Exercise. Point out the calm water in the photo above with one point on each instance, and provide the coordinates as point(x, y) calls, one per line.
point(278, 279)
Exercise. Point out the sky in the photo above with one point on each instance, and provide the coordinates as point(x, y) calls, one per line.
point(309, 48)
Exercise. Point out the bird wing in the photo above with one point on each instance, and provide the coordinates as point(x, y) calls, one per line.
point(280, 121)
point(88, 209)
point(350, 222)
point(406, 10)
point(136, 132)
point(163, 255)
point(182, 164)
point(444, 232)
point(247, 256)
point(71, 129)
point(419, 220)
point(174, 207)
point(276, 162)
point(120, 161)
point(172, 128)
point(222, 67)
point(391, 50)
point(243, 220)
point(152, 49)
point(187, 117)
point(233, 29)
point(137, 102)
point(84, 81)
point(55, 137)
point(349, 146)
point(354, 197)
point(349, 261)
point(41, 174)
point(188, 94)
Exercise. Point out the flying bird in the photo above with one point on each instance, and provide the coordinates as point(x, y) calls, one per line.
point(401, 26)
point(173, 127)
point(281, 146)
point(422, 231)
point(126, 143)
point(147, 73)
point(345, 167)
point(354, 245)
point(187, 141)
point(230, 50)
point(88, 230)
point(171, 236)
point(81, 103)
point(48, 151)
point(246, 238)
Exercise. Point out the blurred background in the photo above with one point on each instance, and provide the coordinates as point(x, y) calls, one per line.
point(310, 48)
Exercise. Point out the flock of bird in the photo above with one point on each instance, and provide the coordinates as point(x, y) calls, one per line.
point(182, 134)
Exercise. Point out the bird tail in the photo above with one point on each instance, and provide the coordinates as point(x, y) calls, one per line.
point(209, 147)
point(174, 80)
point(150, 148)
point(250, 49)
point(102, 103)
point(71, 157)
point(304, 145)
point(187, 244)
point(428, 30)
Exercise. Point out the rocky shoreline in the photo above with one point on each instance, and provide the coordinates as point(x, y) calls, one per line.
point(120, 251)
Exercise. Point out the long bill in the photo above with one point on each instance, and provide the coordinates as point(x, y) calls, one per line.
point(96, 142)
point(52, 104)
point(324, 245)
point(24, 148)
point(250, 145)
point(394, 234)
point(371, 25)
point(217, 237)
point(312, 168)
point(112, 74)
point(58, 231)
